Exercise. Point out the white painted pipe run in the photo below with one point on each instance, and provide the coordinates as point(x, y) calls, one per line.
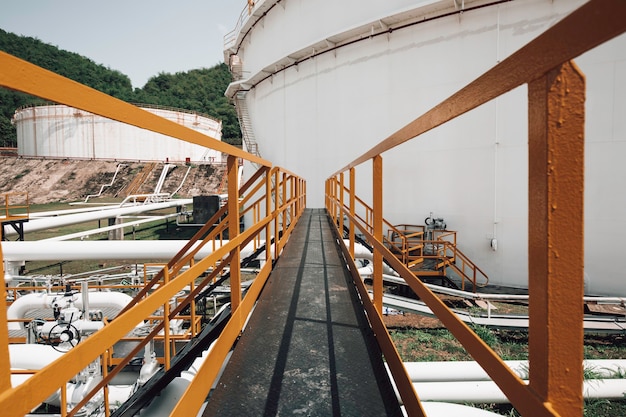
point(361, 252)
point(97, 300)
point(15, 253)
point(35, 357)
point(466, 381)
point(442, 371)
point(104, 213)
point(105, 249)
point(489, 392)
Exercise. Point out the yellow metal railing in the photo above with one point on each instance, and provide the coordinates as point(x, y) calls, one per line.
point(16, 206)
point(272, 198)
point(556, 92)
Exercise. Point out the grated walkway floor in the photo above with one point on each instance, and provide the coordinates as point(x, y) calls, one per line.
point(307, 349)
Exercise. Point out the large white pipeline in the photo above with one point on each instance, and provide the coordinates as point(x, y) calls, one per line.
point(105, 212)
point(443, 371)
point(114, 301)
point(361, 252)
point(108, 228)
point(487, 392)
point(55, 213)
point(35, 357)
point(105, 249)
point(439, 409)
point(466, 381)
point(16, 252)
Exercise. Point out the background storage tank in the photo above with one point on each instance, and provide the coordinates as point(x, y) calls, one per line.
point(59, 131)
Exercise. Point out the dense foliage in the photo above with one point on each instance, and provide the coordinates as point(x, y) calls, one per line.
point(200, 90)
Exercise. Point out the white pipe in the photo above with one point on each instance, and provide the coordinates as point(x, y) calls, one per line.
point(437, 409)
point(511, 322)
point(445, 371)
point(32, 356)
point(108, 228)
point(97, 300)
point(117, 170)
point(103, 249)
point(183, 181)
point(489, 392)
point(161, 180)
point(361, 252)
point(368, 270)
point(499, 297)
point(466, 381)
point(58, 221)
point(55, 213)
point(84, 288)
point(163, 404)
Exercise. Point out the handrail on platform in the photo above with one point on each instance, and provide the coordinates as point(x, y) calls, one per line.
point(556, 92)
point(16, 206)
point(273, 199)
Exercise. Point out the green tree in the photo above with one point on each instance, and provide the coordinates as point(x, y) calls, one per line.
point(200, 90)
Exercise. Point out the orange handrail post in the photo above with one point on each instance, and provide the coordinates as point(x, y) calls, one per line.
point(233, 230)
point(555, 242)
point(352, 210)
point(377, 210)
point(5, 373)
point(342, 194)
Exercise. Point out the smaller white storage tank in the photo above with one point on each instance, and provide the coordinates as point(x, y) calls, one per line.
point(59, 131)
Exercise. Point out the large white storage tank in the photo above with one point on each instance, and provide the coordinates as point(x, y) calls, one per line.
point(59, 131)
point(324, 81)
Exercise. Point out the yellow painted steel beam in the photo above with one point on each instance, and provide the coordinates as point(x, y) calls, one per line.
point(23, 76)
point(556, 150)
point(587, 27)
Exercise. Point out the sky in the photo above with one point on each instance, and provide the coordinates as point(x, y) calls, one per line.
point(139, 38)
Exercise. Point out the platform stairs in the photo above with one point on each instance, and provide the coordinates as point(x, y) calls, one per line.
point(432, 255)
point(247, 133)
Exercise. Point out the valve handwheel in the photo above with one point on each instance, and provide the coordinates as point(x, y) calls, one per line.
point(69, 335)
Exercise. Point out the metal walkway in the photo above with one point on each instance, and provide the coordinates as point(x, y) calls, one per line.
point(307, 348)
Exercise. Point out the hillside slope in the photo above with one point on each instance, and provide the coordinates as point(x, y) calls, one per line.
point(69, 180)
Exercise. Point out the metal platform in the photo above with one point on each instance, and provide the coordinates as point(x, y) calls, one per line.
point(307, 348)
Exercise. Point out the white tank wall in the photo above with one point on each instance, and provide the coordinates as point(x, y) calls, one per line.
point(320, 115)
point(59, 131)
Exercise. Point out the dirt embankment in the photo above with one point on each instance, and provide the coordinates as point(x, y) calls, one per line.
point(68, 180)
